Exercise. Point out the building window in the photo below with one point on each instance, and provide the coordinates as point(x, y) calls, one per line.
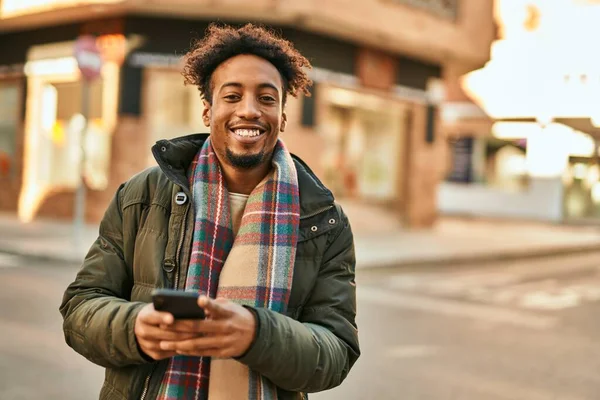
point(364, 144)
point(489, 161)
point(171, 108)
point(9, 122)
point(63, 135)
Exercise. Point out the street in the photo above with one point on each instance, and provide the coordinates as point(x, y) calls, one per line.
point(501, 331)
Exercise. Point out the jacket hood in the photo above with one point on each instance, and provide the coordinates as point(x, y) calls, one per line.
point(175, 156)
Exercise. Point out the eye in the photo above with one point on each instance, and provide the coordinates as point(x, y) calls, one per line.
point(267, 99)
point(232, 97)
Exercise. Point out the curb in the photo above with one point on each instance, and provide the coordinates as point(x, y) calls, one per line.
point(42, 257)
point(382, 265)
point(465, 260)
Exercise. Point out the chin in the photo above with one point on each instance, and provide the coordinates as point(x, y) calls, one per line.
point(245, 161)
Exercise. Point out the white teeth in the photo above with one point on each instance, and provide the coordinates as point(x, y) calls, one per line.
point(247, 132)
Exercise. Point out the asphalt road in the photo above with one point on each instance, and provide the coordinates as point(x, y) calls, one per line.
point(522, 330)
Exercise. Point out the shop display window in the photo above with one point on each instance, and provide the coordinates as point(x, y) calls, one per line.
point(488, 161)
point(171, 108)
point(9, 126)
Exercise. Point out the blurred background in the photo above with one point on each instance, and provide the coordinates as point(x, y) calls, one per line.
point(460, 136)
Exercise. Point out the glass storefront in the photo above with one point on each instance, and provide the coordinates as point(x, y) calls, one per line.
point(55, 138)
point(521, 155)
point(364, 136)
point(62, 136)
point(488, 161)
point(9, 127)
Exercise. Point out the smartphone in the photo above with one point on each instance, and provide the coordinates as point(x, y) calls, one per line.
point(183, 305)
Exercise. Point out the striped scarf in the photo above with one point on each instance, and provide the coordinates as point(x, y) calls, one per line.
point(255, 270)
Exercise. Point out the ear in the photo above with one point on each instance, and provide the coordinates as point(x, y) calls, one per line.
point(283, 122)
point(206, 113)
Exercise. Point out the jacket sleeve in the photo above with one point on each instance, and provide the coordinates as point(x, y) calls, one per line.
point(316, 352)
point(98, 318)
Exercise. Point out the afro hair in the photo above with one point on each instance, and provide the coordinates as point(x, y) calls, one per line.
point(224, 42)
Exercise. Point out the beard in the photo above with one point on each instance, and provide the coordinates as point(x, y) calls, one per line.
point(245, 161)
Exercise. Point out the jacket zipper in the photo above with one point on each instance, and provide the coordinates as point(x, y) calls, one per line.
point(319, 211)
point(146, 385)
point(180, 245)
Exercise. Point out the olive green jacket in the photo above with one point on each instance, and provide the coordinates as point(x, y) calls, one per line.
point(145, 243)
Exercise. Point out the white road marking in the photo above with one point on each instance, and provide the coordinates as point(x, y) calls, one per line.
point(559, 300)
point(455, 308)
point(10, 261)
point(412, 351)
point(564, 285)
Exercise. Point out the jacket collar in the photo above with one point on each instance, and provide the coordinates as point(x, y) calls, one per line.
point(175, 156)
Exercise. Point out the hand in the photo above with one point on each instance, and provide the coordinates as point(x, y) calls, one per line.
point(152, 327)
point(228, 331)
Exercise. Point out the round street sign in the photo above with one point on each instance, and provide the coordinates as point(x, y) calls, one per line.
point(88, 57)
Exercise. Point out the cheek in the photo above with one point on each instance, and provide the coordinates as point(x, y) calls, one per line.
point(276, 121)
point(217, 118)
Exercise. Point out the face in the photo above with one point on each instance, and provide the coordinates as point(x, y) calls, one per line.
point(246, 114)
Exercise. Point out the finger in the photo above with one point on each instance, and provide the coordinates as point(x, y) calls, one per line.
point(207, 326)
point(213, 353)
point(151, 332)
point(216, 308)
point(152, 349)
point(152, 317)
point(197, 346)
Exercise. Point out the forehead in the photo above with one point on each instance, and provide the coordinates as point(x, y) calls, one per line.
point(248, 70)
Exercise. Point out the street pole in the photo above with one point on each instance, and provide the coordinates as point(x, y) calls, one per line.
point(79, 214)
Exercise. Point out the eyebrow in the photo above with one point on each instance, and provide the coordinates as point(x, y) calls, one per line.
point(260, 86)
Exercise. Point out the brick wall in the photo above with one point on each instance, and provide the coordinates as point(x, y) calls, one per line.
point(305, 142)
point(425, 169)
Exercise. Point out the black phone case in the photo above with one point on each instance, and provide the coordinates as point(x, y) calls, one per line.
point(183, 305)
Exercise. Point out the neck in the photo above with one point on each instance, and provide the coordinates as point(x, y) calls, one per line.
point(244, 181)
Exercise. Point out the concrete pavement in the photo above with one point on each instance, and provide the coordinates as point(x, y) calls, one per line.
point(380, 239)
point(416, 342)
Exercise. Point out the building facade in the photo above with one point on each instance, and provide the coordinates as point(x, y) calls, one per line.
point(373, 130)
point(541, 89)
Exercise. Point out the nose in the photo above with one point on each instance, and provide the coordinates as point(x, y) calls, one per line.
point(248, 108)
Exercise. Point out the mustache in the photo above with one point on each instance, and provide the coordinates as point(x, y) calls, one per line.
point(257, 124)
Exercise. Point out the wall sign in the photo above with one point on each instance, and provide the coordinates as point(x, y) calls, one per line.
point(142, 59)
point(88, 57)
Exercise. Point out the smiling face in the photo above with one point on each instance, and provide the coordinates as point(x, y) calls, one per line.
point(246, 114)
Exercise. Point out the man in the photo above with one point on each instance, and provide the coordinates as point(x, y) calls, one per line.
point(235, 217)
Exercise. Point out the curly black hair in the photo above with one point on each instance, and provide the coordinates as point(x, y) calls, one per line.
point(224, 42)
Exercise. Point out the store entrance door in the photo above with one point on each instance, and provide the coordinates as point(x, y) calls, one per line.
point(54, 125)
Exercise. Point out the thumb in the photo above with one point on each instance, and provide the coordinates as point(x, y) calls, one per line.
point(216, 309)
point(149, 315)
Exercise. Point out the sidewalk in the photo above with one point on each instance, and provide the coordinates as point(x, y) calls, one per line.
point(379, 238)
point(381, 241)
